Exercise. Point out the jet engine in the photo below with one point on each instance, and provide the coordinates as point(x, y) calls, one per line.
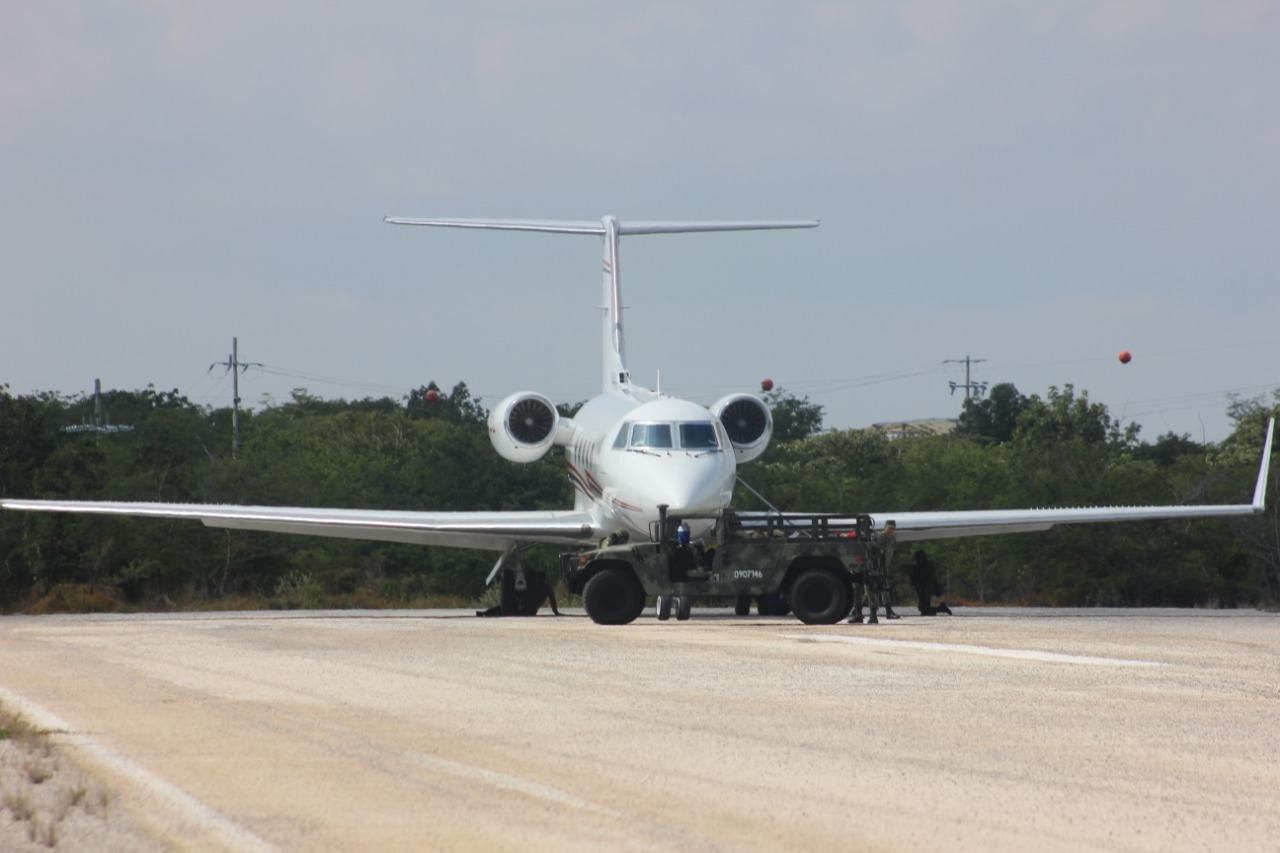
point(525, 426)
point(748, 422)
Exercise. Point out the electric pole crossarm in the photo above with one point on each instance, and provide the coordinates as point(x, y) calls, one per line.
point(969, 385)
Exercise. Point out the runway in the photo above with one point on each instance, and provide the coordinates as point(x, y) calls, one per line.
point(996, 729)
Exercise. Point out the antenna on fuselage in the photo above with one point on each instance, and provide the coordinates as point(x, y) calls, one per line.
point(610, 228)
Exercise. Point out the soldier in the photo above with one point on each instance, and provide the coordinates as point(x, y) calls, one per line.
point(872, 585)
point(859, 584)
point(878, 592)
point(925, 582)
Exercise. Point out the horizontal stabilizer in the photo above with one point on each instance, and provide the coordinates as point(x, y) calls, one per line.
point(557, 226)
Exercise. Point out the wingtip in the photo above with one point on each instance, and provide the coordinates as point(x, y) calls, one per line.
point(1260, 490)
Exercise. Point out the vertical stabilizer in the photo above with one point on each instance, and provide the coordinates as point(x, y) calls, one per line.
point(614, 355)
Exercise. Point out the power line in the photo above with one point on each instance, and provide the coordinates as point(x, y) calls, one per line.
point(331, 380)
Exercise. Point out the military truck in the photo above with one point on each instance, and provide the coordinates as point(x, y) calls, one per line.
point(809, 561)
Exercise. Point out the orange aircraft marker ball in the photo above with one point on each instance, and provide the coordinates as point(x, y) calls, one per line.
point(1125, 356)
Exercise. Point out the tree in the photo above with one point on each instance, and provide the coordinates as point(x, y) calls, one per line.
point(1065, 417)
point(840, 470)
point(456, 407)
point(995, 417)
point(1168, 449)
point(794, 419)
point(415, 455)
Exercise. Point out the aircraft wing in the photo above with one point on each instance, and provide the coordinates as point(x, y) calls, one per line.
point(919, 526)
point(494, 531)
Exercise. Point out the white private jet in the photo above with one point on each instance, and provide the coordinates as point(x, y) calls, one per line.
point(629, 450)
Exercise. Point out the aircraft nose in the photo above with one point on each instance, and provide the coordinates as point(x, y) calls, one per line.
point(701, 489)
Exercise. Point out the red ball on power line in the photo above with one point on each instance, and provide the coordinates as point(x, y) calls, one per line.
point(1125, 356)
point(766, 384)
point(432, 395)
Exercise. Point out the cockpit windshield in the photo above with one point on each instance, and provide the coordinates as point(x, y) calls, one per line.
point(693, 435)
point(655, 436)
point(698, 436)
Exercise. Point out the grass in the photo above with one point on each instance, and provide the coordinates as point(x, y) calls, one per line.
point(13, 726)
point(18, 803)
point(33, 790)
point(79, 598)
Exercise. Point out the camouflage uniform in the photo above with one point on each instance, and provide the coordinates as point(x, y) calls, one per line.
point(873, 587)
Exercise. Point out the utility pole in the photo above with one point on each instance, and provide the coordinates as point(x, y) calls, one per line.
point(969, 386)
point(233, 364)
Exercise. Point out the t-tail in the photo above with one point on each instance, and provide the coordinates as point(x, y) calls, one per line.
point(616, 377)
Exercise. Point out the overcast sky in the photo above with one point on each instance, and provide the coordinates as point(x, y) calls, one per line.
point(1039, 185)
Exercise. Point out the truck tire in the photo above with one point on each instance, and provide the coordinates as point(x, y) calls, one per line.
point(819, 598)
point(742, 605)
point(613, 597)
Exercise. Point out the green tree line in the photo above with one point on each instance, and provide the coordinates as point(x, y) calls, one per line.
point(434, 454)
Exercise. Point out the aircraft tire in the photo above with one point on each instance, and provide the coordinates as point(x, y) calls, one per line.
point(613, 597)
point(510, 599)
point(664, 608)
point(684, 607)
point(818, 597)
point(742, 605)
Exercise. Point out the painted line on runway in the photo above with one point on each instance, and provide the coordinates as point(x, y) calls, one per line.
point(1018, 654)
point(227, 831)
point(510, 783)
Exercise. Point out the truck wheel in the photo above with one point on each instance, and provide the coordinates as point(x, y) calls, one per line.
point(819, 598)
point(742, 605)
point(684, 606)
point(664, 608)
point(613, 597)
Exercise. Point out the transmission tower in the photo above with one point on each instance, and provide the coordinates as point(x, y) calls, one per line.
point(101, 423)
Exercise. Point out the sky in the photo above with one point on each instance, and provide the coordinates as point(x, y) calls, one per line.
point(1034, 186)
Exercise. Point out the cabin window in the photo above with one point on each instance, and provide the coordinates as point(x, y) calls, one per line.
point(651, 435)
point(698, 436)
